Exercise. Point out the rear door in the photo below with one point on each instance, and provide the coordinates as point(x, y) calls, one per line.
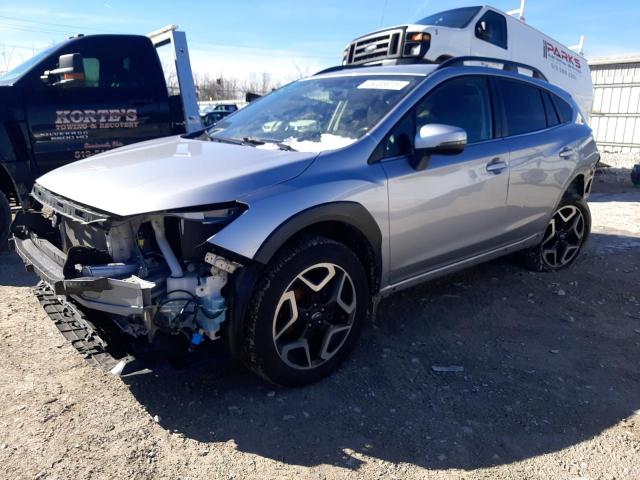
point(543, 143)
point(455, 208)
point(114, 102)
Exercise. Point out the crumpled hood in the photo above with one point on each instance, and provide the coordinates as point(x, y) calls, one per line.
point(170, 173)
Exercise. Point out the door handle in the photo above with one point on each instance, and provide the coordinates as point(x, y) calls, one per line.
point(566, 152)
point(496, 166)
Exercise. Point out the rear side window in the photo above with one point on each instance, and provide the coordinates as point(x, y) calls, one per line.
point(523, 106)
point(492, 28)
point(461, 102)
point(564, 109)
point(552, 116)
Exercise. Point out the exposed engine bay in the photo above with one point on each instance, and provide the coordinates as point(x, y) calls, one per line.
point(147, 273)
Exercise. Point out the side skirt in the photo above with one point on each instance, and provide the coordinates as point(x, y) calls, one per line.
point(460, 265)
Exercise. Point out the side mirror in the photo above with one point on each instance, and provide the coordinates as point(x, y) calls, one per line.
point(482, 32)
point(436, 138)
point(70, 69)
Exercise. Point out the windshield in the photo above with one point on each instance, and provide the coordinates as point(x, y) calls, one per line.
point(11, 76)
point(456, 18)
point(316, 114)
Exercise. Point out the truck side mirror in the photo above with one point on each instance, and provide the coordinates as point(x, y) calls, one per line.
point(437, 138)
point(482, 32)
point(70, 70)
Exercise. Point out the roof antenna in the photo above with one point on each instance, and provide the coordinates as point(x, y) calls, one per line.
point(519, 13)
point(579, 49)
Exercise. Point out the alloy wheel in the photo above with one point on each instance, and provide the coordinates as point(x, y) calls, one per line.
point(314, 316)
point(563, 237)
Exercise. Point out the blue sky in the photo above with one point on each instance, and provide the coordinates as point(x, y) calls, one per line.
point(286, 37)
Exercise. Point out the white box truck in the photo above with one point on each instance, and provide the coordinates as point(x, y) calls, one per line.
point(480, 31)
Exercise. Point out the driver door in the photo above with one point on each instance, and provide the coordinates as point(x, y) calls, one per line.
point(454, 208)
point(108, 104)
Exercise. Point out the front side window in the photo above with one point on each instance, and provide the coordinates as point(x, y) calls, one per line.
point(492, 28)
point(316, 114)
point(456, 18)
point(462, 102)
point(523, 106)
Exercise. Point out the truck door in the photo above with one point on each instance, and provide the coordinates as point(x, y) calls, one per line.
point(113, 100)
point(491, 36)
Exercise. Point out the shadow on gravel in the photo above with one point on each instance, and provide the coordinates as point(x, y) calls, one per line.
point(12, 272)
point(548, 363)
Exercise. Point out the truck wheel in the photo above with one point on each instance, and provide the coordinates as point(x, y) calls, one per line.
point(5, 222)
point(563, 238)
point(306, 312)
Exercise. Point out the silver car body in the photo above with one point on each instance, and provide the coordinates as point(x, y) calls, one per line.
point(421, 223)
point(452, 214)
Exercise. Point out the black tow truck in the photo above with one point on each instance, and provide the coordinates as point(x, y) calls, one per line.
point(87, 95)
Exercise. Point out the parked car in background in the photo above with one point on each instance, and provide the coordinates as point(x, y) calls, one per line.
point(217, 113)
point(279, 229)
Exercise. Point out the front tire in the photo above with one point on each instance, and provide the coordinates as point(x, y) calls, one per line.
point(5, 222)
point(563, 238)
point(306, 313)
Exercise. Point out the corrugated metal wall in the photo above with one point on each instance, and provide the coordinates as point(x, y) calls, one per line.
point(615, 118)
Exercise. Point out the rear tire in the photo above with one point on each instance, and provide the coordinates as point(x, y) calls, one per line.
point(563, 239)
point(5, 222)
point(306, 313)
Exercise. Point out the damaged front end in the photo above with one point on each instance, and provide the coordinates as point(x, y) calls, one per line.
point(145, 274)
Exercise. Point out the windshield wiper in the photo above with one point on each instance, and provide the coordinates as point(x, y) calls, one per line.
point(232, 141)
point(261, 141)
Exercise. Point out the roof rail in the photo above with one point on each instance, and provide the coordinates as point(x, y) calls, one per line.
point(507, 65)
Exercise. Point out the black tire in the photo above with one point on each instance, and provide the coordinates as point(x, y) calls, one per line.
point(261, 351)
point(5, 222)
point(537, 260)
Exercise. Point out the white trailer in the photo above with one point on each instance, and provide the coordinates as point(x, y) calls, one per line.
point(480, 31)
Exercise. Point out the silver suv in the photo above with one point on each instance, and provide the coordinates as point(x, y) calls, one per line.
point(278, 229)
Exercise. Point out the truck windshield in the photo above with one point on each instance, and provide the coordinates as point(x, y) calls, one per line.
point(456, 18)
point(316, 114)
point(14, 74)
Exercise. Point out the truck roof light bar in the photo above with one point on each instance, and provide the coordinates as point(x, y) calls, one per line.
point(507, 65)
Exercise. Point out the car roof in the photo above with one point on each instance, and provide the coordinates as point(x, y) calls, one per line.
point(426, 69)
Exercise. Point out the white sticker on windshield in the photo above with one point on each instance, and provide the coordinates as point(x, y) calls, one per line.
point(384, 84)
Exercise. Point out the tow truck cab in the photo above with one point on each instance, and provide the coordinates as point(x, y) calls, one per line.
point(83, 96)
point(480, 31)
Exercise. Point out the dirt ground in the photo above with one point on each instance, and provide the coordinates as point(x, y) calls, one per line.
point(550, 387)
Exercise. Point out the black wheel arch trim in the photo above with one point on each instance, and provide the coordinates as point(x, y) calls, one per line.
point(242, 283)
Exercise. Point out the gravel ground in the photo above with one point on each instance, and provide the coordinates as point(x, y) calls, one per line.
point(550, 387)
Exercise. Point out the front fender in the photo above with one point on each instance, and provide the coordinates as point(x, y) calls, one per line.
point(269, 222)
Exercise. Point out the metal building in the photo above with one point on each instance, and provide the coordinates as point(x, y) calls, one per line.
point(615, 118)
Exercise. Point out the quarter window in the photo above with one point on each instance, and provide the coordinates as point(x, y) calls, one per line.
point(564, 109)
point(462, 102)
point(552, 116)
point(523, 106)
point(492, 28)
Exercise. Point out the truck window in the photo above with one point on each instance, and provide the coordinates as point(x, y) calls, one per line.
point(462, 102)
point(455, 18)
point(523, 106)
point(107, 68)
point(492, 28)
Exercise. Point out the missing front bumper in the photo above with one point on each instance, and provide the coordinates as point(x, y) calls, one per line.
point(130, 296)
